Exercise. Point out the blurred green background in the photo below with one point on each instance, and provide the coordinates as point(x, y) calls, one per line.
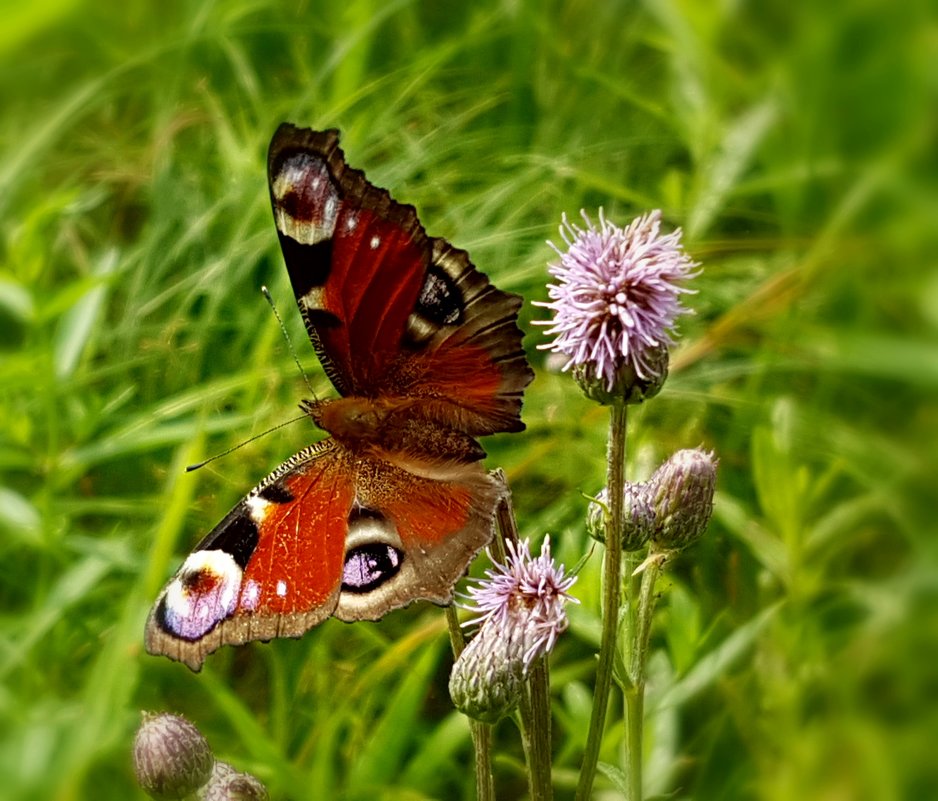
point(795, 647)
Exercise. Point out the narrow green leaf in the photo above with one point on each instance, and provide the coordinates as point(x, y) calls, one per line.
point(712, 665)
point(394, 732)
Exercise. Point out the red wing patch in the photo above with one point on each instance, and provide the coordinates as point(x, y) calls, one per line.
point(271, 568)
point(297, 564)
point(376, 292)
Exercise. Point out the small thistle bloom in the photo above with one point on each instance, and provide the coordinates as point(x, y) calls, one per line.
point(520, 606)
point(525, 591)
point(616, 302)
point(171, 757)
point(681, 490)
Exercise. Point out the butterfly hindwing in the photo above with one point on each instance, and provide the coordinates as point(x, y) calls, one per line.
point(325, 534)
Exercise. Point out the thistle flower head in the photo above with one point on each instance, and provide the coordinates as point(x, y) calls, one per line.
point(525, 593)
point(616, 300)
point(520, 606)
point(485, 682)
point(228, 784)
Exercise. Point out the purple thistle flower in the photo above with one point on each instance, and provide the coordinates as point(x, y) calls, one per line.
point(525, 594)
point(520, 605)
point(617, 297)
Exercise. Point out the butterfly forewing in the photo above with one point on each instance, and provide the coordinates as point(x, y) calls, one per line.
point(391, 296)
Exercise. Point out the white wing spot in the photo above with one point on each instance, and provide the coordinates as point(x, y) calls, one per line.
point(375, 241)
point(258, 507)
point(351, 222)
point(329, 211)
point(281, 588)
point(250, 595)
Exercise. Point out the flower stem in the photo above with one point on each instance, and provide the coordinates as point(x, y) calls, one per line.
point(534, 705)
point(481, 732)
point(640, 613)
point(646, 607)
point(535, 731)
point(612, 567)
point(634, 722)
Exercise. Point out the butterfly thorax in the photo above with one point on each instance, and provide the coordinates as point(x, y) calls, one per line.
point(392, 425)
point(352, 420)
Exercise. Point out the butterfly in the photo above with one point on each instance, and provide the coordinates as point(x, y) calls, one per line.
point(392, 506)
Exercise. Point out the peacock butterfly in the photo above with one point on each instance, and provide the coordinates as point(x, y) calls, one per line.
point(394, 504)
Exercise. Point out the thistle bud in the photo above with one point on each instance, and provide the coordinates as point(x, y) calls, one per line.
point(228, 784)
point(681, 490)
point(638, 516)
point(171, 757)
point(486, 680)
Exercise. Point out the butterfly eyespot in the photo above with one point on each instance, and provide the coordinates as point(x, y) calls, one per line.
point(369, 566)
point(204, 593)
point(305, 196)
point(200, 582)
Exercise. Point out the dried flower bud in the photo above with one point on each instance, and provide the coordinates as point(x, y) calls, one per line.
point(638, 516)
point(171, 757)
point(681, 490)
point(228, 784)
point(485, 683)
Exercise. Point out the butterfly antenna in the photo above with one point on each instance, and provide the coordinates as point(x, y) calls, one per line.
point(286, 336)
point(197, 465)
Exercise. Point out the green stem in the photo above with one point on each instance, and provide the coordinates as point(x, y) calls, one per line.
point(534, 705)
point(535, 731)
point(481, 732)
point(612, 584)
point(640, 630)
point(646, 608)
point(634, 722)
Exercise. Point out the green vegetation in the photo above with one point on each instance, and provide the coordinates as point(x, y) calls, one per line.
point(794, 646)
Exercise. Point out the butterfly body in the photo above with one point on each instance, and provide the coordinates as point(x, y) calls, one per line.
point(391, 507)
point(397, 430)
